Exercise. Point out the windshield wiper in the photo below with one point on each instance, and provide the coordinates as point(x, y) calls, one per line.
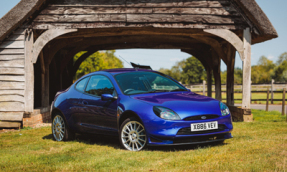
point(157, 91)
point(180, 89)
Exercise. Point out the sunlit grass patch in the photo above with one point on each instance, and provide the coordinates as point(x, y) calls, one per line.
point(257, 146)
point(272, 116)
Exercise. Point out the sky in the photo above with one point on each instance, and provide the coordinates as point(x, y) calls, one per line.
point(274, 9)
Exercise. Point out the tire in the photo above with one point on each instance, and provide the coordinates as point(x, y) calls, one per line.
point(132, 135)
point(60, 130)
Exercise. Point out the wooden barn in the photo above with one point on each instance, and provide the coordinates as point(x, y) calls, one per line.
point(39, 38)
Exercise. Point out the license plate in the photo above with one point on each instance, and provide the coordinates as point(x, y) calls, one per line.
point(204, 126)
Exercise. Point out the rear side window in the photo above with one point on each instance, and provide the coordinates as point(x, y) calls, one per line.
point(99, 85)
point(81, 85)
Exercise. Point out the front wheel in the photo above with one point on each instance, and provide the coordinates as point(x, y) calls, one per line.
point(132, 135)
point(60, 129)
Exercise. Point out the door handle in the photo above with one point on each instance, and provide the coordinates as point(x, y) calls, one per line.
point(85, 102)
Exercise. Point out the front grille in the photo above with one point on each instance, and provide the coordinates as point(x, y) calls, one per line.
point(199, 117)
point(213, 137)
point(187, 131)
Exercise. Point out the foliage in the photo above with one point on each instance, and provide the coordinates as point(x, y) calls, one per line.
point(280, 72)
point(237, 76)
point(191, 71)
point(256, 146)
point(282, 58)
point(262, 72)
point(187, 71)
point(97, 61)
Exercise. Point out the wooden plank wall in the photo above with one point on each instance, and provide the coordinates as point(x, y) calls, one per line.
point(138, 13)
point(12, 78)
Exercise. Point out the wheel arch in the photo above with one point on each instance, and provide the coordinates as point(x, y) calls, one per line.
point(55, 111)
point(127, 114)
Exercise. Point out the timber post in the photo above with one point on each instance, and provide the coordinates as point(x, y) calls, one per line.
point(267, 100)
point(203, 84)
point(29, 72)
point(272, 89)
point(246, 90)
point(209, 82)
point(283, 102)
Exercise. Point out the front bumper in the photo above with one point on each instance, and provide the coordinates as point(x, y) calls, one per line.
point(163, 132)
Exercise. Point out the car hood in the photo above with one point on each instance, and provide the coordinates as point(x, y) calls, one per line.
point(185, 104)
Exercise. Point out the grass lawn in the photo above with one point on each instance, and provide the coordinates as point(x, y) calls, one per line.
point(257, 146)
point(254, 96)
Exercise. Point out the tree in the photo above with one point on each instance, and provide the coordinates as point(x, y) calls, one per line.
point(280, 72)
point(193, 71)
point(97, 61)
point(187, 71)
point(262, 73)
point(282, 58)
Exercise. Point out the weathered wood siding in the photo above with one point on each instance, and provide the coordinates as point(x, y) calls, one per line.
point(138, 13)
point(12, 77)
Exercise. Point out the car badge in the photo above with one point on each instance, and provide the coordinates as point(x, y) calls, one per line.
point(203, 117)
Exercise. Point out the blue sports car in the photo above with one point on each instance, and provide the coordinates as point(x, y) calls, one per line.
point(142, 107)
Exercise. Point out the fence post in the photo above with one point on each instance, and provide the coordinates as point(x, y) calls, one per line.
point(267, 101)
point(191, 88)
point(204, 82)
point(272, 88)
point(251, 94)
point(283, 102)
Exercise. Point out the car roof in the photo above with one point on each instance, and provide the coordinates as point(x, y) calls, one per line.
point(124, 70)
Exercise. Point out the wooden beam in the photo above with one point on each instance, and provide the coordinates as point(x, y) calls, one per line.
point(209, 82)
point(82, 58)
point(166, 18)
point(10, 124)
point(7, 85)
point(214, 44)
point(80, 10)
point(11, 116)
point(71, 55)
point(12, 71)
point(13, 63)
point(29, 73)
point(16, 78)
point(230, 37)
point(217, 75)
point(19, 51)
point(12, 98)
point(246, 90)
point(12, 92)
point(112, 25)
point(142, 3)
point(46, 37)
point(12, 44)
point(230, 75)
point(12, 107)
point(12, 57)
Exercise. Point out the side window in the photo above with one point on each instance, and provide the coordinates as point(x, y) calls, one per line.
point(99, 85)
point(81, 85)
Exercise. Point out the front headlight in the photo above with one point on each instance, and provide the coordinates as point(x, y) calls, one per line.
point(224, 109)
point(165, 113)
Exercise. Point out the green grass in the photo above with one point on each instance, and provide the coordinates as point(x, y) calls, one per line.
point(257, 146)
point(254, 96)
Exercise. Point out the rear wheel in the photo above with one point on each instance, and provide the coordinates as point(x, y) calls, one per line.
point(132, 135)
point(60, 130)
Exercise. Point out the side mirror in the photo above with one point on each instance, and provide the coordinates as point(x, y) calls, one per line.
point(107, 97)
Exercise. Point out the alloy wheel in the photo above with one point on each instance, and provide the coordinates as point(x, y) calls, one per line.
point(58, 128)
point(133, 136)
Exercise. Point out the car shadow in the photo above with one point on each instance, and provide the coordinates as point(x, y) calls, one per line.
point(92, 139)
point(113, 141)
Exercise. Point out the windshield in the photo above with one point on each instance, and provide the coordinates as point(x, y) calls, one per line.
point(146, 82)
